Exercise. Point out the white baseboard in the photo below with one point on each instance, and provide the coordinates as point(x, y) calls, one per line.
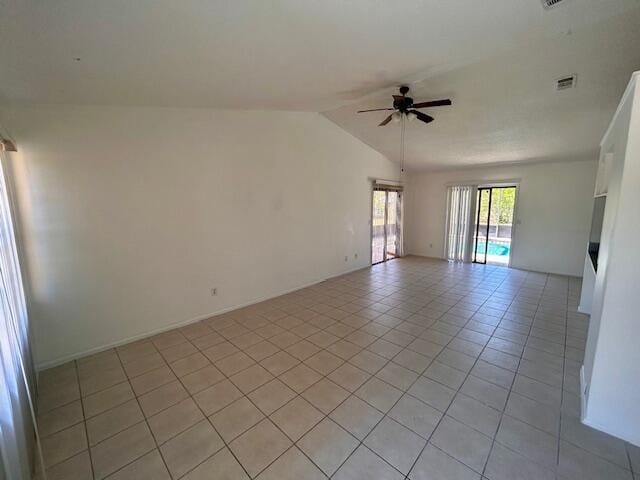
point(583, 310)
point(123, 341)
point(583, 397)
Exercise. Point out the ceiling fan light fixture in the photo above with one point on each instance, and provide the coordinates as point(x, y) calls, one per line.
point(396, 117)
point(411, 116)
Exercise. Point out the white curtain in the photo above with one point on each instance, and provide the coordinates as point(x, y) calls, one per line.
point(399, 225)
point(17, 428)
point(460, 204)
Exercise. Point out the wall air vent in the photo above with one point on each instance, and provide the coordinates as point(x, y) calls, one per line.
point(566, 82)
point(551, 3)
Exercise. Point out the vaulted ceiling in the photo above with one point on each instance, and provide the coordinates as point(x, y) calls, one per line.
point(497, 59)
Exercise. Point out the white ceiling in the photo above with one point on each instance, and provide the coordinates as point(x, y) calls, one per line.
point(495, 58)
point(506, 109)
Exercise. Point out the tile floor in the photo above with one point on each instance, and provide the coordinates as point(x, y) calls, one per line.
point(415, 369)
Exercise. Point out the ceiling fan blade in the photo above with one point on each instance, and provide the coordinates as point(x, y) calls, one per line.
point(386, 120)
point(374, 110)
point(434, 103)
point(422, 116)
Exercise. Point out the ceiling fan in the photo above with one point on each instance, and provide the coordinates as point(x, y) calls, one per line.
point(403, 105)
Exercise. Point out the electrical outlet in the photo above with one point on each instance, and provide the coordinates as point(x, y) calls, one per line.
point(346, 258)
point(214, 291)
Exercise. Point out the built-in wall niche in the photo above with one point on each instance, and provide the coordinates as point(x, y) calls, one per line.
point(604, 171)
point(596, 229)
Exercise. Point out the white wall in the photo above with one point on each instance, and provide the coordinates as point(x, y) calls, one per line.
point(129, 216)
point(553, 212)
point(611, 380)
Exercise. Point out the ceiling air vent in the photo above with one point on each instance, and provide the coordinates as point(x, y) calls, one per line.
point(550, 3)
point(566, 82)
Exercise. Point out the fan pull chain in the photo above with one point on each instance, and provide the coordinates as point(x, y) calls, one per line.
point(402, 127)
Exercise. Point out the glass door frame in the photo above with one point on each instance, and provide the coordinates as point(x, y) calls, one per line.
point(477, 229)
point(490, 187)
point(385, 254)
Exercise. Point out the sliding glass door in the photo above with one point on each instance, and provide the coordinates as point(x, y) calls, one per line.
point(495, 208)
point(482, 225)
point(386, 225)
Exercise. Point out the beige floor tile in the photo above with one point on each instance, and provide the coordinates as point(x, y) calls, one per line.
point(216, 397)
point(428, 325)
point(292, 465)
point(64, 444)
point(279, 363)
point(236, 418)
point(379, 394)
point(434, 464)
point(243, 342)
point(344, 349)
point(445, 375)
point(101, 379)
point(220, 350)
point(262, 350)
point(328, 445)
point(77, 467)
point(259, 446)
point(578, 464)
point(363, 464)
point(163, 397)
point(113, 421)
point(537, 391)
point(152, 380)
point(296, 418)
point(148, 467)
point(121, 449)
point(608, 447)
point(196, 330)
point(208, 341)
point(349, 377)
point(302, 349)
point(463, 443)
point(58, 395)
point(395, 443)
point(432, 393)
point(528, 441)
point(270, 397)
point(251, 378)
point(368, 361)
point(416, 415)
point(190, 448)
point(324, 362)
point(505, 464)
point(189, 364)
point(107, 399)
point(221, 466)
point(494, 374)
point(144, 365)
point(135, 351)
point(485, 392)
point(539, 415)
point(284, 339)
point(174, 420)
point(325, 395)
point(234, 363)
point(60, 418)
point(398, 376)
point(300, 377)
point(201, 379)
point(475, 414)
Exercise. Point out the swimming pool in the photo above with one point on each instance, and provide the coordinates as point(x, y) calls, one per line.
point(495, 248)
